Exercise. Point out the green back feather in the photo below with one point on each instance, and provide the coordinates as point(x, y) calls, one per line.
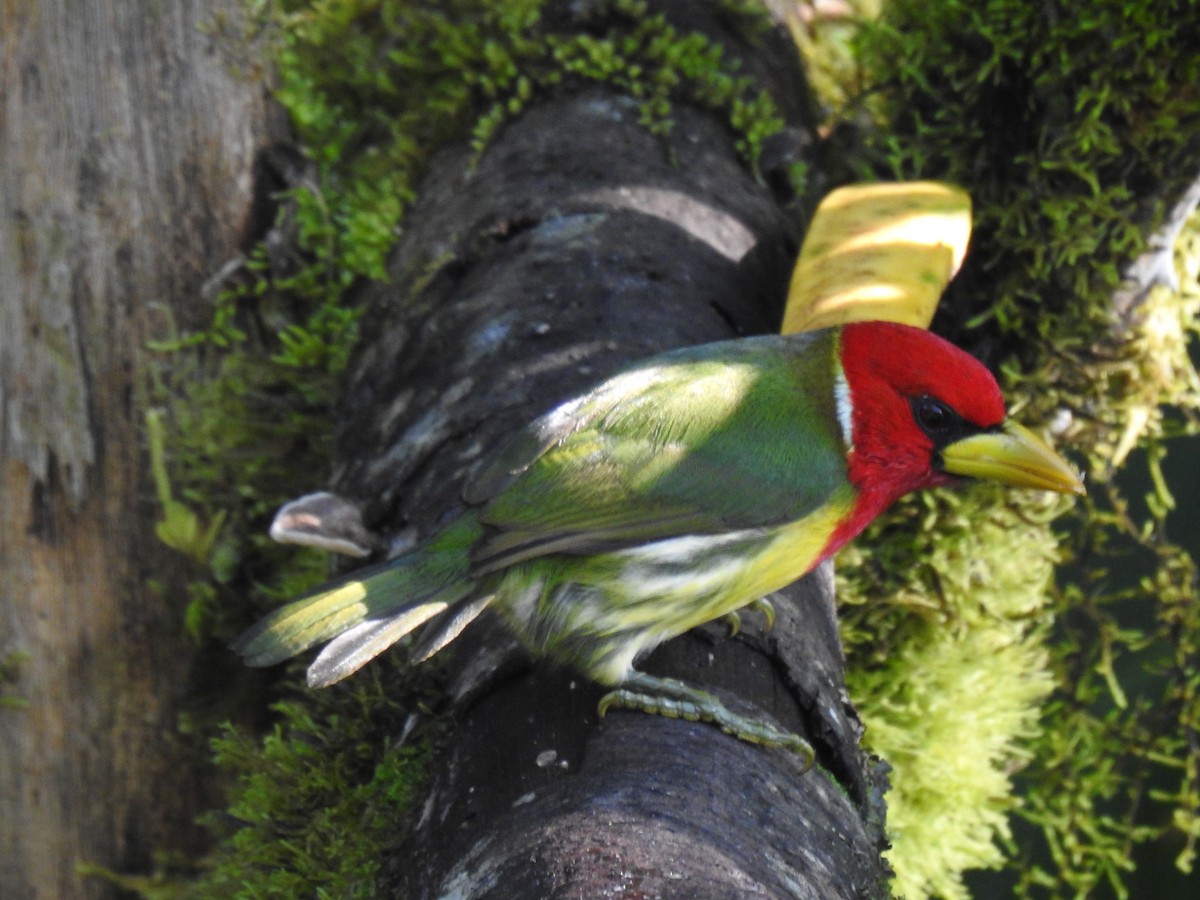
point(742, 434)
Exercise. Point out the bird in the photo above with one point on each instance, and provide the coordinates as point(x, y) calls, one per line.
point(681, 489)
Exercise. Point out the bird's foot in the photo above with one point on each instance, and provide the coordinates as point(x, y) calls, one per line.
point(761, 605)
point(677, 700)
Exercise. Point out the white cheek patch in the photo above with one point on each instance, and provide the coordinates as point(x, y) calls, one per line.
point(845, 408)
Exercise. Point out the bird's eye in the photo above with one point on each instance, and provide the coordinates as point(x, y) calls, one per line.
point(934, 415)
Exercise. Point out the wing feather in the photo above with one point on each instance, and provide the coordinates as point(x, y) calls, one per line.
point(724, 437)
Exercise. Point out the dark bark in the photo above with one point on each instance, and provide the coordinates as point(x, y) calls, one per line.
point(576, 242)
point(125, 148)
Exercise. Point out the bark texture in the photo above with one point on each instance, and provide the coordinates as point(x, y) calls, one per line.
point(577, 242)
point(126, 151)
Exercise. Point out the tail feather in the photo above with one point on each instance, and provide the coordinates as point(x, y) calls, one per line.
point(367, 611)
point(449, 626)
point(354, 648)
point(381, 591)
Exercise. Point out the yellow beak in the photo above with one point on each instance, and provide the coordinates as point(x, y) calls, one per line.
point(1014, 455)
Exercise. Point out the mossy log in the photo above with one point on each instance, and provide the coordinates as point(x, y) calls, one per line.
point(576, 242)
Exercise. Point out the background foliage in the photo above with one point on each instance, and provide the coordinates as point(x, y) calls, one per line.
point(1074, 130)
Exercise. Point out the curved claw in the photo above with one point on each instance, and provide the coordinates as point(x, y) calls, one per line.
point(761, 605)
point(767, 609)
point(605, 702)
point(734, 621)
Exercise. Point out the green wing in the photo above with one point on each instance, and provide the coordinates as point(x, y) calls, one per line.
point(710, 439)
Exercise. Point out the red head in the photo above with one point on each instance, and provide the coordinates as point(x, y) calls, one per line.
point(922, 413)
point(912, 394)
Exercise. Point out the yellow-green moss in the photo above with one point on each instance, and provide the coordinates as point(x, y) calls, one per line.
point(949, 668)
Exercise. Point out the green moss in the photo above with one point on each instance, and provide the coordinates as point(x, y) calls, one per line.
point(246, 404)
point(1073, 132)
point(317, 801)
point(373, 86)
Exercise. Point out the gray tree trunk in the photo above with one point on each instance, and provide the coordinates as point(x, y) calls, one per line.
point(126, 153)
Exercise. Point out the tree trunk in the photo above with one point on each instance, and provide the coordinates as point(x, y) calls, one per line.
point(126, 147)
point(580, 241)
